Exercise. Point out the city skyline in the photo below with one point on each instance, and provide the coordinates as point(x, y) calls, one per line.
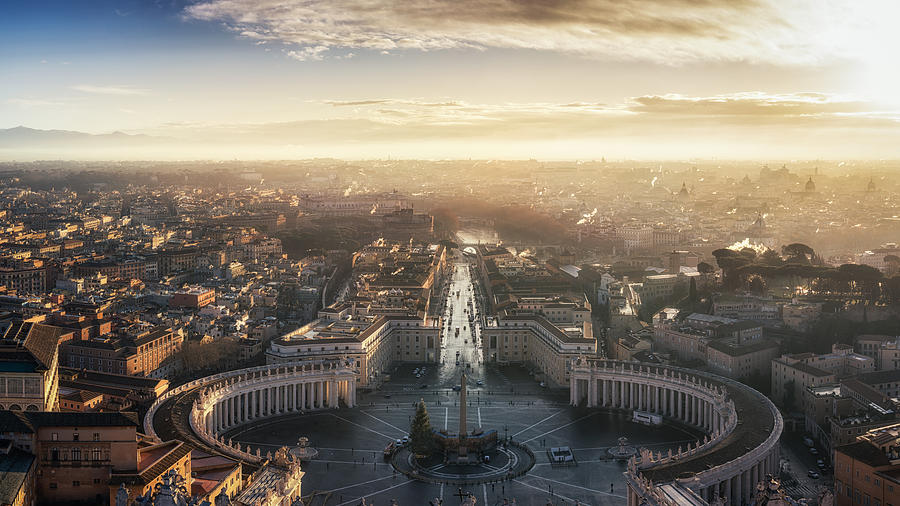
point(576, 79)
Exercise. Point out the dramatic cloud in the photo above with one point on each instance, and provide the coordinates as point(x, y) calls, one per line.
point(669, 31)
point(110, 90)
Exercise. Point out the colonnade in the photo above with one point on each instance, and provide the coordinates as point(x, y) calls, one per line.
point(261, 401)
point(225, 402)
point(703, 401)
point(657, 390)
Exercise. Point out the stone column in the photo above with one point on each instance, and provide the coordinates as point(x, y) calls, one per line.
point(319, 392)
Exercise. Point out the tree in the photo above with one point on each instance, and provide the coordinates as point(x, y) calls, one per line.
point(692, 293)
point(421, 438)
point(757, 285)
point(705, 268)
point(798, 253)
point(771, 257)
point(729, 261)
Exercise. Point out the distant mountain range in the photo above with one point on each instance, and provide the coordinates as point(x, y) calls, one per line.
point(30, 138)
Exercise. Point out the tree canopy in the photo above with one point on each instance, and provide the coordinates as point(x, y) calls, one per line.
point(420, 434)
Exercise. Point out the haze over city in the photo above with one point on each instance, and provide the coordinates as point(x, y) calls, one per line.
point(573, 79)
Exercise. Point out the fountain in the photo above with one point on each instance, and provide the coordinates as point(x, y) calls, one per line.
point(303, 451)
point(623, 451)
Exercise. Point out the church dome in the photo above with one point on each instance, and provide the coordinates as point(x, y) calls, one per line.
point(810, 186)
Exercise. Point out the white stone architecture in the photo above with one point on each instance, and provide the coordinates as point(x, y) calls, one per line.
point(228, 400)
point(727, 463)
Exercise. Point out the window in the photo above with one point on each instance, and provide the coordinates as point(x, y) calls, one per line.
point(75, 436)
point(53, 485)
point(76, 483)
point(54, 436)
point(76, 453)
point(96, 436)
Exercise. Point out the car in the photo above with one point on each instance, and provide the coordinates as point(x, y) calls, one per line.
point(423, 385)
point(405, 440)
point(543, 385)
point(813, 474)
point(480, 383)
point(387, 396)
point(418, 375)
point(814, 451)
point(416, 370)
point(398, 442)
point(457, 388)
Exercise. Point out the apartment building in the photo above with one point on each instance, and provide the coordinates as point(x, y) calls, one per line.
point(138, 351)
point(29, 360)
point(867, 470)
point(792, 374)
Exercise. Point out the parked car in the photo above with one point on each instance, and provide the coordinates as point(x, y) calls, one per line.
point(813, 474)
point(813, 451)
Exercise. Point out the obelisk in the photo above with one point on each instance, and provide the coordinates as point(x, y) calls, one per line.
point(462, 406)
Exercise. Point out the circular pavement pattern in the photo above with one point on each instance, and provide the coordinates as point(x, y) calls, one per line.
point(507, 462)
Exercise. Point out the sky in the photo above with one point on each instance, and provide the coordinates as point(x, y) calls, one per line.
point(546, 79)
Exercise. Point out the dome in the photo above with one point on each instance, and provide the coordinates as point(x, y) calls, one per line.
point(810, 186)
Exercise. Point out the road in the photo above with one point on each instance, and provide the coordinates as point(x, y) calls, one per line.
point(460, 351)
